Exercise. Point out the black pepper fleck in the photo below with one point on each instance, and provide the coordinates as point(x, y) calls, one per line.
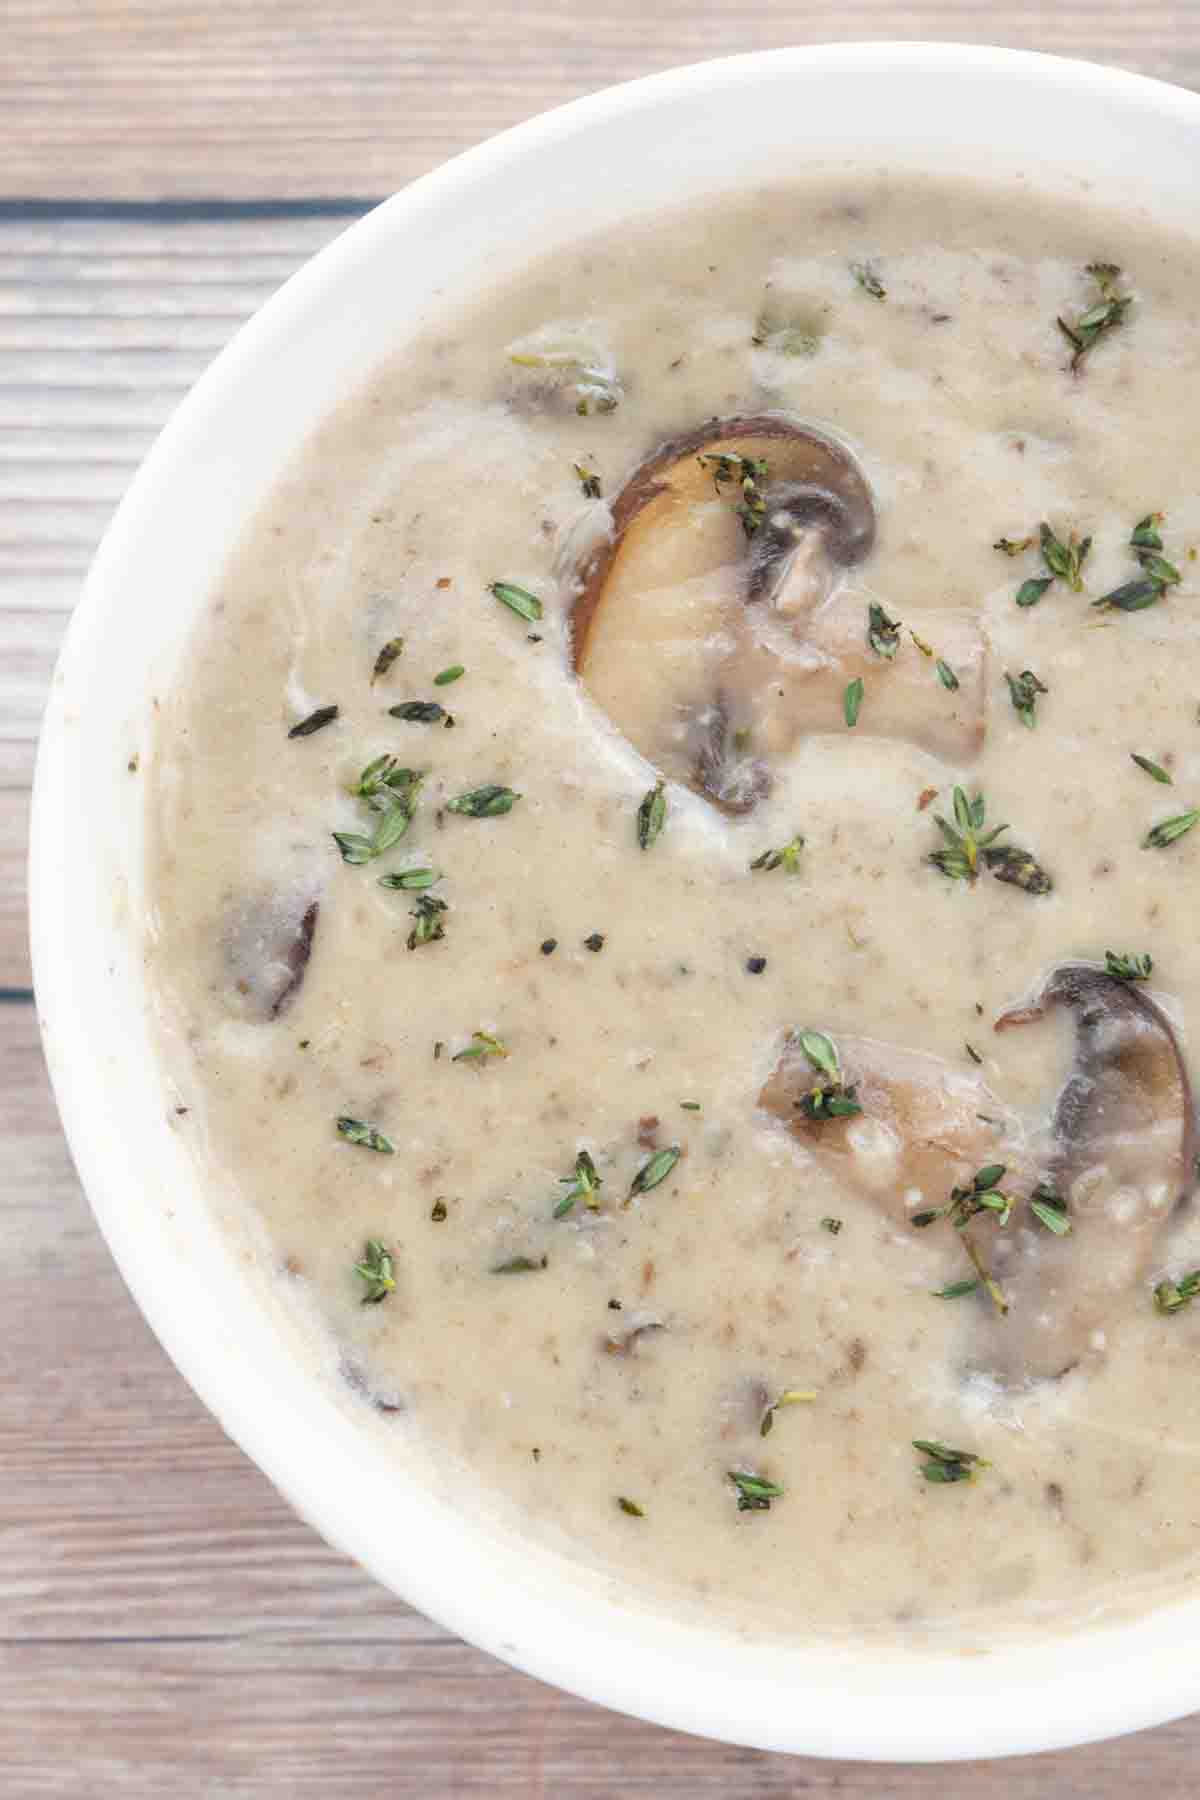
point(755, 965)
point(549, 946)
point(595, 941)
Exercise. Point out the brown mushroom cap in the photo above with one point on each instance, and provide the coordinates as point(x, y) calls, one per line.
point(713, 649)
point(811, 482)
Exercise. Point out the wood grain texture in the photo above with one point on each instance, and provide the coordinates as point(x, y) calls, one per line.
point(144, 98)
point(167, 1625)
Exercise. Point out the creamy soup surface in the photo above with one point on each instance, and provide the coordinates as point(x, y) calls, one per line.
point(592, 1127)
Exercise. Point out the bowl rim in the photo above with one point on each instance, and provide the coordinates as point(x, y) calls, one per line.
point(1145, 1670)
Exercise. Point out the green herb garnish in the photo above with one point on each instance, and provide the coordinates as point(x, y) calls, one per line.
point(852, 700)
point(1104, 316)
point(786, 857)
point(965, 839)
point(369, 1136)
point(868, 280)
point(1169, 1296)
point(438, 1212)
point(1050, 1209)
point(391, 791)
point(830, 1098)
point(428, 922)
point(1013, 546)
point(1159, 836)
point(1145, 534)
point(651, 815)
point(324, 715)
point(520, 1265)
point(1133, 596)
point(589, 481)
point(1064, 560)
point(518, 599)
point(1023, 691)
point(1018, 868)
point(630, 1506)
point(789, 1397)
point(487, 802)
point(653, 1171)
point(419, 712)
point(1155, 770)
point(972, 1052)
point(583, 1185)
point(946, 675)
point(955, 1290)
point(1135, 966)
point(754, 1492)
point(831, 1225)
point(747, 471)
point(377, 1270)
point(1031, 591)
point(386, 658)
point(410, 880)
point(947, 1465)
point(883, 634)
point(482, 1048)
point(444, 677)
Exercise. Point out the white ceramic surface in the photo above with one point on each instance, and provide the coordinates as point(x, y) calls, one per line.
point(630, 149)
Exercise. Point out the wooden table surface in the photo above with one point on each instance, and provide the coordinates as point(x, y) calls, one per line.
point(166, 1625)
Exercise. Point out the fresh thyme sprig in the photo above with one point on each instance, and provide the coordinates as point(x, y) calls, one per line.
point(748, 472)
point(1103, 316)
point(829, 1097)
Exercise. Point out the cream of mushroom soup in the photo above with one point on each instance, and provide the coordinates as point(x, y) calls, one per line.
point(672, 864)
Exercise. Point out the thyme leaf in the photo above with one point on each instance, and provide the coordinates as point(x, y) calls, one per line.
point(410, 880)
point(1031, 591)
point(386, 657)
point(828, 1098)
point(653, 1171)
point(520, 1265)
point(852, 700)
point(419, 712)
point(651, 815)
point(1170, 1296)
point(1064, 560)
point(754, 1492)
point(1013, 546)
point(487, 802)
point(956, 1290)
point(1018, 868)
point(946, 675)
point(945, 1464)
point(588, 480)
point(965, 839)
point(787, 857)
point(428, 922)
point(1133, 596)
point(883, 634)
point(324, 715)
point(1023, 691)
point(1129, 966)
point(868, 280)
point(583, 1185)
point(630, 1506)
point(1166, 832)
point(356, 1131)
point(444, 677)
point(1050, 1209)
point(1103, 316)
point(518, 599)
point(482, 1048)
point(747, 471)
point(377, 1270)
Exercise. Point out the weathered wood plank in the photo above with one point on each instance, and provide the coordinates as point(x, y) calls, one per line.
point(140, 98)
point(257, 1717)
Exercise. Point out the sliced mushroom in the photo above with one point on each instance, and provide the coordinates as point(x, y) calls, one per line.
point(267, 948)
point(1122, 1155)
point(712, 647)
point(924, 1127)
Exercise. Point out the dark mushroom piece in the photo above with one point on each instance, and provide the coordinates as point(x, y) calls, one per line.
point(1121, 1155)
point(715, 635)
point(267, 949)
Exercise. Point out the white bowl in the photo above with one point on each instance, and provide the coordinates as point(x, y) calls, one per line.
point(629, 150)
